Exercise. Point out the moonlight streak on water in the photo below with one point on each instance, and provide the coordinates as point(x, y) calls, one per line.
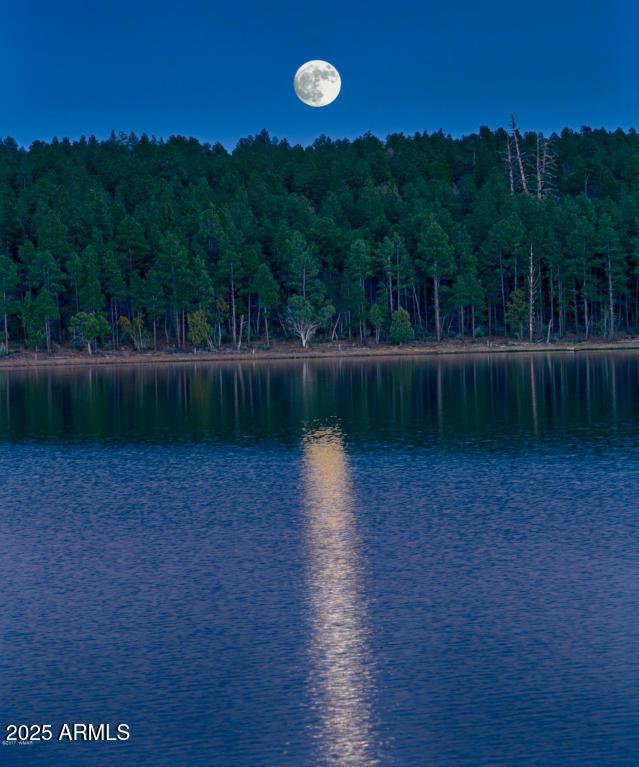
point(340, 680)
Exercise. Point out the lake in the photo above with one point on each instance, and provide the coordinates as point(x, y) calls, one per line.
point(340, 563)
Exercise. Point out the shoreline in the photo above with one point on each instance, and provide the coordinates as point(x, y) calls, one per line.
point(67, 358)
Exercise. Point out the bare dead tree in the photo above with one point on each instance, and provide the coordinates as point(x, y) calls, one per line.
point(544, 166)
point(509, 165)
point(520, 162)
point(239, 335)
point(532, 283)
point(538, 170)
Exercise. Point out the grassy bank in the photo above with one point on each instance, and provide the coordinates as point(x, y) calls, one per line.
point(290, 351)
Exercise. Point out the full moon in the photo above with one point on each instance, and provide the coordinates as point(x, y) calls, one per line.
point(317, 83)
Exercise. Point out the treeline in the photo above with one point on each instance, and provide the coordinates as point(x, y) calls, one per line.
point(181, 244)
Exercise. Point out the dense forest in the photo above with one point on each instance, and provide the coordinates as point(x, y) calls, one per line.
point(178, 244)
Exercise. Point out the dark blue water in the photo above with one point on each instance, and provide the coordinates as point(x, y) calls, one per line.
point(397, 563)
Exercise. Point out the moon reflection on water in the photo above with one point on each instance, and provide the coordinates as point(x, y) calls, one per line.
point(341, 683)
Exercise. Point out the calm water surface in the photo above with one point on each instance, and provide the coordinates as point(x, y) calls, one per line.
point(344, 564)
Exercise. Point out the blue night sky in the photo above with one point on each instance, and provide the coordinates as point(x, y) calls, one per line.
point(223, 70)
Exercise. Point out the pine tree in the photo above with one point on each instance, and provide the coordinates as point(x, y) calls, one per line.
point(268, 293)
point(132, 247)
point(154, 300)
point(401, 330)
point(467, 291)
point(8, 287)
point(230, 273)
point(436, 260)
point(302, 264)
point(357, 269)
point(613, 259)
point(172, 265)
point(115, 288)
point(91, 296)
point(517, 311)
point(376, 317)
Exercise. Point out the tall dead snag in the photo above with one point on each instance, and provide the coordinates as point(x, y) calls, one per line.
point(531, 295)
point(509, 158)
point(538, 164)
point(543, 166)
point(520, 162)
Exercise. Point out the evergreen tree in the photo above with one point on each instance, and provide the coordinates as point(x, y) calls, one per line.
point(74, 271)
point(401, 330)
point(436, 260)
point(172, 266)
point(37, 314)
point(302, 264)
point(131, 246)
point(199, 330)
point(8, 287)
point(230, 272)
point(517, 311)
point(356, 269)
point(468, 291)
point(115, 288)
point(43, 276)
point(613, 259)
point(268, 293)
point(91, 296)
point(154, 301)
point(376, 318)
